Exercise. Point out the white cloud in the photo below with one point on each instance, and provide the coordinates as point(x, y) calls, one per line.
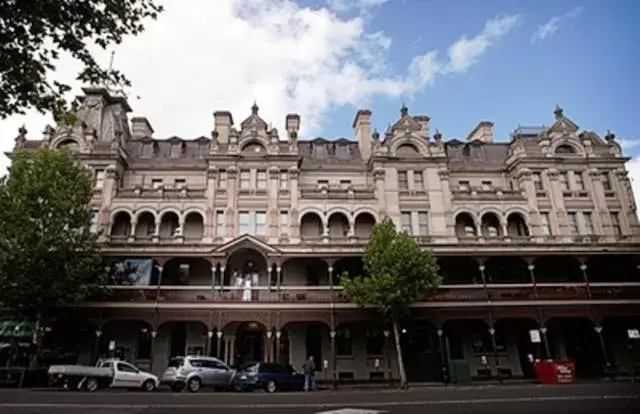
point(465, 52)
point(224, 54)
point(627, 144)
point(548, 29)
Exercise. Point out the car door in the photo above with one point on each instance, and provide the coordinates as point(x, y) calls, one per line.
point(221, 373)
point(126, 376)
point(203, 370)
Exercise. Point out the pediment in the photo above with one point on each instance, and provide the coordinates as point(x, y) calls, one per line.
point(254, 121)
point(406, 123)
point(563, 125)
point(246, 241)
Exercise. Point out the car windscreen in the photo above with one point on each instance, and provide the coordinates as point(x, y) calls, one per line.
point(176, 362)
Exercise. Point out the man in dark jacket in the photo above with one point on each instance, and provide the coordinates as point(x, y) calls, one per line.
point(309, 368)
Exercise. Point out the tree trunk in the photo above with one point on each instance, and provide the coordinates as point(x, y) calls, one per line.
point(396, 336)
point(37, 341)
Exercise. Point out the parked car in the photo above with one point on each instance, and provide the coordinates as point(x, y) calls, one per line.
point(195, 372)
point(107, 373)
point(270, 377)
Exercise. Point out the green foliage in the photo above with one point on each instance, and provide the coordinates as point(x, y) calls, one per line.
point(397, 272)
point(48, 253)
point(34, 34)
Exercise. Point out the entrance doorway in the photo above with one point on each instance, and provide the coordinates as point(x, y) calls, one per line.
point(421, 350)
point(249, 343)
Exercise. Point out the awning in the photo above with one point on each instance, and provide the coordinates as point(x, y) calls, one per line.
point(15, 329)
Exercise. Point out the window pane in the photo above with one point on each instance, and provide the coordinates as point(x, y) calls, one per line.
point(564, 186)
point(99, 179)
point(537, 181)
point(261, 180)
point(244, 223)
point(545, 224)
point(406, 223)
point(423, 223)
point(284, 180)
point(588, 223)
point(402, 180)
point(572, 223)
point(220, 224)
point(261, 224)
point(418, 180)
point(245, 179)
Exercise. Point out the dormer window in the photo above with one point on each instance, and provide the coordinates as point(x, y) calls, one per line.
point(147, 150)
point(176, 150)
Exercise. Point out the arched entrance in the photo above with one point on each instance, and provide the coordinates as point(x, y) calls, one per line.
point(247, 264)
point(250, 343)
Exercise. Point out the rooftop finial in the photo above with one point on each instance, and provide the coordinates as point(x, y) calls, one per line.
point(558, 112)
point(438, 135)
point(254, 108)
point(404, 110)
point(610, 136)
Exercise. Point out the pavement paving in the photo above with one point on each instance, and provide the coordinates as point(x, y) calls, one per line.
point(621, 398)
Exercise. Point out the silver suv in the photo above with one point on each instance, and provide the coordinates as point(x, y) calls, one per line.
point(195, 372)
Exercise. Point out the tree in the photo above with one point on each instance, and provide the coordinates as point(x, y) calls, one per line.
point(34, 34)
point(397, 273)
point(48, 253)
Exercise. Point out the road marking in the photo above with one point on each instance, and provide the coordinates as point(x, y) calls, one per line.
point(352, 411)
point(477, 401)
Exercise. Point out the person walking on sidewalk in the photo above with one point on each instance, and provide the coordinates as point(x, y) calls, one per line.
point(309, 369)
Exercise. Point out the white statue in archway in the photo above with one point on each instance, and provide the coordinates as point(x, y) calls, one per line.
point(246, 293)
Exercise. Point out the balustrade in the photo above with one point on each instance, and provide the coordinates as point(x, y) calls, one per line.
point(325, 294)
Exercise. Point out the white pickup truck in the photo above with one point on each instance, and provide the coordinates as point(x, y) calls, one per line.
point(107, 373)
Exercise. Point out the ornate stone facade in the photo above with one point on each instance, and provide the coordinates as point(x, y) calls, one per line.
point(537, 227)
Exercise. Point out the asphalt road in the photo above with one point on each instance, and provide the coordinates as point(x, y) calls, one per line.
point(619, 398)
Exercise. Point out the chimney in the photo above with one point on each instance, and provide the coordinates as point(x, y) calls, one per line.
point(140, 127)
point(223, 122)
point(483, 132)
point(362, 127)
point(292, 123)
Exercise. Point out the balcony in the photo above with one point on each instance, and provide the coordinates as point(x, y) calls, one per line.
point(324, 294)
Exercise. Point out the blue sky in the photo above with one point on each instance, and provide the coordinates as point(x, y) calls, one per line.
point(586, 65)
point(458, 61)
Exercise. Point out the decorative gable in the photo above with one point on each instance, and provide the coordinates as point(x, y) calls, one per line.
point(562, 125)
point(246, 241)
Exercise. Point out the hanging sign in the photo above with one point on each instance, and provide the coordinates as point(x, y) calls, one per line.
point(633, 333)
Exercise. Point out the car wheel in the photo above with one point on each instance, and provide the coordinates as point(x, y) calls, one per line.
point(149, 385)
point(194, 385)
point(238, 388)
point(91, 384)
point(271, 387)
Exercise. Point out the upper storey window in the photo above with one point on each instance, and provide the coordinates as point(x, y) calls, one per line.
point(245, 179)
point(147, 150)
point(564, 181)
point(418, 180)
point(537, 181)
point(284, 180)
point(176, 150)
point(578, 181)
point(403, 181)
point(261, 179)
